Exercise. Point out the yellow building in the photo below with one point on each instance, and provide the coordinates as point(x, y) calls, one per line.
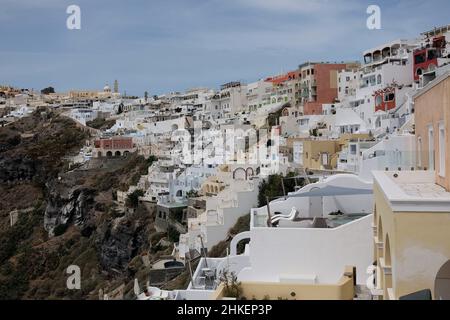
point(319, 154)
point(343, 290)
point(412, 208)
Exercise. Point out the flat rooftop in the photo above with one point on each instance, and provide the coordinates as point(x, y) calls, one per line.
point(413, 191)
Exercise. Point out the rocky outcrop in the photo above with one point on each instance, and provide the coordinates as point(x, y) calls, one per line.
point(17, 169)
point(120, 240)
point(65, 208)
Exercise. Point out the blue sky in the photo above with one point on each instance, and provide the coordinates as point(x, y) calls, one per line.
point(162, 46)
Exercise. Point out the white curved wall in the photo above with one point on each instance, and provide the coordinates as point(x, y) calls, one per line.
point(346, 204)
point(320, 252)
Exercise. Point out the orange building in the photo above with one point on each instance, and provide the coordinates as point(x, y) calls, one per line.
point(319, 85)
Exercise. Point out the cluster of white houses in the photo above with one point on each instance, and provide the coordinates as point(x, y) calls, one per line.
point(368, 140)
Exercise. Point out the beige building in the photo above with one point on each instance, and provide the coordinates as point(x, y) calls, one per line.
point(432, 116)
point(318, 154)
point(343, 290)
point(412, 208)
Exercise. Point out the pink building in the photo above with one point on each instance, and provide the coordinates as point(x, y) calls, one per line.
point(115, 146)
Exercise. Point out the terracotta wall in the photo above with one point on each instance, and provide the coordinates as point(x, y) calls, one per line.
point(326, 77)
point(327, 81)
point(312, 108)
point(114, 143)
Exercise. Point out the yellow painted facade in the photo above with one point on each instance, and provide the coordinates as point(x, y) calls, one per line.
point(313, 154)
point(343, 290)
point(410, 247)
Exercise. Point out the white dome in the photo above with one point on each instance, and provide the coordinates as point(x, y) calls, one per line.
point(107, 88)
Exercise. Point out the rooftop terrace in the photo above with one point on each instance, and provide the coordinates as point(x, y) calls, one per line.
point(413, 191)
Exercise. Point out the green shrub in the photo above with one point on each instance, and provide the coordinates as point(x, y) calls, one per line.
point(133, 199)
point(173, 234)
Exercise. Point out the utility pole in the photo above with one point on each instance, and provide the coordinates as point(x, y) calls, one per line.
point(190, 269)
point(282, 186)
point(269, 216)
point(203, 250)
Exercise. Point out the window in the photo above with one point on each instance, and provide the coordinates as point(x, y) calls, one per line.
point(432, 54)
point(441, 150)
point(431, 148)
point(389, 97)
point(378, 100)
point(379, 79)
point(420, 58)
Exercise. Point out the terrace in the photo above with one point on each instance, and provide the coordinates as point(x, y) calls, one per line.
point(413, 191)
point(317, 206)
point(210, 270)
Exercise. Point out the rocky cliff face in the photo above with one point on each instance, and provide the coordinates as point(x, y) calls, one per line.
point(121, 239)
point(17, 169)
point(75, 220)
point(72, 206)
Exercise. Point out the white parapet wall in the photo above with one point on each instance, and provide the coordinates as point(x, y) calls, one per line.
point(320, 254)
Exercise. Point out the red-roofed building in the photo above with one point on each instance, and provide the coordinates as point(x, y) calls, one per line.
point(115, 146)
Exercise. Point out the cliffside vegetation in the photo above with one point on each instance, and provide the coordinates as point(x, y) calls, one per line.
point(64, 216)
point(273, 187)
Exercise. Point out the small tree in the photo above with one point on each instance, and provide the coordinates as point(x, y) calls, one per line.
point(192, 194)
point(133, 199)
point(233, 288)
point(173, 234)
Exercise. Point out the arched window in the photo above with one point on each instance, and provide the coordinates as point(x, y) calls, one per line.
point(378, 100)
point(442, 283)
